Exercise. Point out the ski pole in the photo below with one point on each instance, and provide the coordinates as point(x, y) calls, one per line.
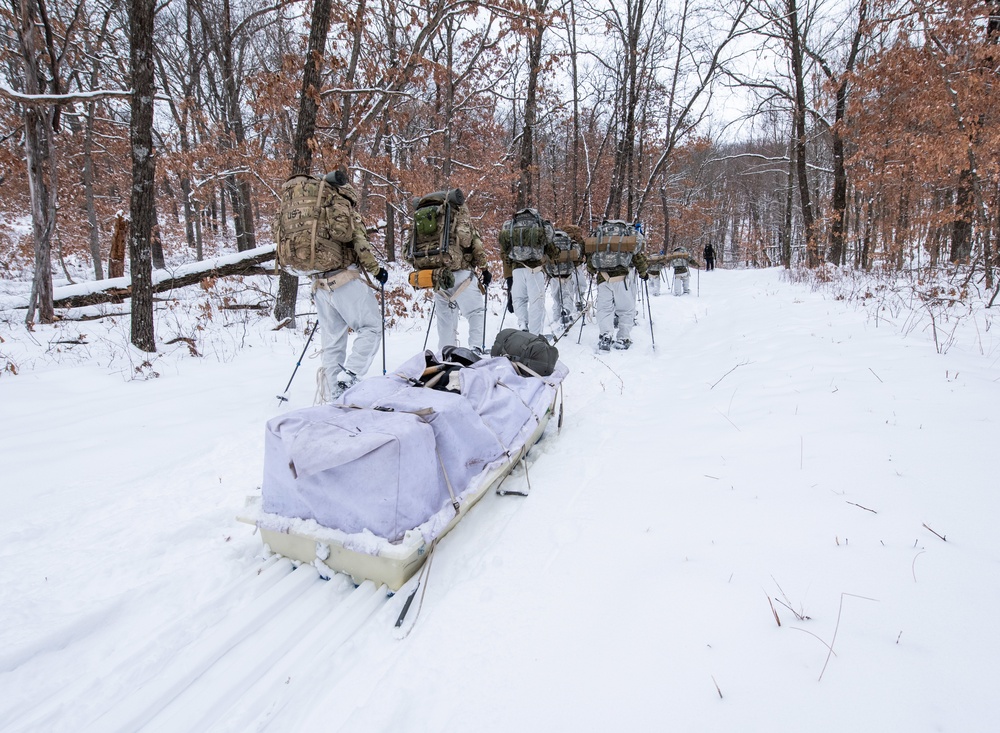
point(382, 288)
point(486, 306)
point(282, 397)
point(590, 289)
point(509, 306)
point(649, 308)
point(699, 282)
point(429, 322)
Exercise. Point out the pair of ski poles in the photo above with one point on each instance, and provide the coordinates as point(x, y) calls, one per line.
point(283, 397)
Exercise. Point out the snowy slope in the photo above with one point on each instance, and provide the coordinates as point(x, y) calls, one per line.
point(779, 449)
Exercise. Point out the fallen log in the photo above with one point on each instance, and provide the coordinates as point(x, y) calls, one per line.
point(244, 263)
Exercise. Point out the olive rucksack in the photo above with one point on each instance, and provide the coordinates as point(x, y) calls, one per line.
point(526, 237)
point(442, 229)
point(525, 348)
point(568, 254)
point(314, 228)
point(613, 245)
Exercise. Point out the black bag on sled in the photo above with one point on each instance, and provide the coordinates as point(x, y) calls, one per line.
point(528, 349)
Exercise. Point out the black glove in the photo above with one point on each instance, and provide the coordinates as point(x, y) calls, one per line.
point(487, 278)
point(510, 284)
point(382, 276)
point(510, 302)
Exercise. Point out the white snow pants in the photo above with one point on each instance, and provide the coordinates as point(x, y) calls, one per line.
point(682, 282)
point(528, 293)
point(470, 303)
point(566, 294)
point(615, 299)
point(353, 306)
point(654, 283)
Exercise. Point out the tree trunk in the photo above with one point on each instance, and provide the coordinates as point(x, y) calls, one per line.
point(526, 160)
point(305, 129)
point(575, 77)
point(798, 73)
point(38, 148)
point(239, 189)
point(961, 227)
point(88, 192)
point(141, 14)
point(355, 27)
point(116, 257)
point(786, 224)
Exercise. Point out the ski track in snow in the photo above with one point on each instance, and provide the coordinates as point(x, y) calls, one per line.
point(776, 448)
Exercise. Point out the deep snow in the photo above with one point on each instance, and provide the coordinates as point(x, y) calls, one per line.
point(779, 449)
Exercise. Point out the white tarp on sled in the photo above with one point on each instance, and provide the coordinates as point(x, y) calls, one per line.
point(389, 456)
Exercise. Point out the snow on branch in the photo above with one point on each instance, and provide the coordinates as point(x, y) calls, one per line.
point(43, 99)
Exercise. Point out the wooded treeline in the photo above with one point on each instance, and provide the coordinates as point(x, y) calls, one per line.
point(862, 133)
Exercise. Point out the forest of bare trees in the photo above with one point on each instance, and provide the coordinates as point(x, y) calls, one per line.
point(851, 133)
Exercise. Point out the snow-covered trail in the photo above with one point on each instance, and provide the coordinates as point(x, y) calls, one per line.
point(777, 448)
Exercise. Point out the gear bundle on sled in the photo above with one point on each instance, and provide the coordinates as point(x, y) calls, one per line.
point(368, 483)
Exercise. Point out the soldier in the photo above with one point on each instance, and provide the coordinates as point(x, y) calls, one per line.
point(654, 269)
point(709, 255)
point(444, 249)
point(680, 259)
point(344, 301)
point(612, 266)
point(525, 241)
point(563, 271)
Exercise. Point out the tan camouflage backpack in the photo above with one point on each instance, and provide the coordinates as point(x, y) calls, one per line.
point(315, 226)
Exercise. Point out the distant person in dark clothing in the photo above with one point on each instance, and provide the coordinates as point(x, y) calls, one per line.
point(709, 257)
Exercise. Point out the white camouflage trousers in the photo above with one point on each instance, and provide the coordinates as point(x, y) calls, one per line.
point(353, 306)
point(654, 283)
point(682, 283)
point(528, 293)
point(615, 299)
point(470, 303)
point(566, 293)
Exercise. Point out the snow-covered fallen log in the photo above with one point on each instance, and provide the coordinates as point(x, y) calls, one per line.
point(118, 289)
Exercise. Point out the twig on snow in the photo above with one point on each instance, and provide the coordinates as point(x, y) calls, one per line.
point(776, 619)
point(913, 565)
point(742, 363)
point(622, 381)
point(862, 507)
point(940, 536)
point(728, 420)
point(836, 628)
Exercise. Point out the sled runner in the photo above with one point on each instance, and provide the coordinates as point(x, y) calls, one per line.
point(366, 484)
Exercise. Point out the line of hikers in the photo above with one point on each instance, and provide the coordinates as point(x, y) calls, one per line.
point(319, 234)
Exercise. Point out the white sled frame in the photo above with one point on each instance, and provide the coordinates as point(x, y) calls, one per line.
point(393, 564)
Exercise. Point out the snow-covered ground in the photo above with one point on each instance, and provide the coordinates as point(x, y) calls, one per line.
point(781, 455)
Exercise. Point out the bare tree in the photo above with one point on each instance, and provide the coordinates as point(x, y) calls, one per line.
point(305, 130)
point(141, 13)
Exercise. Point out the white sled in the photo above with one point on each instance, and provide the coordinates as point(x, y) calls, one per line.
point(333, 495)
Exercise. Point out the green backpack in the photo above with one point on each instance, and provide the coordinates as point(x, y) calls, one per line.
point(442, 231)
point(314, 228)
